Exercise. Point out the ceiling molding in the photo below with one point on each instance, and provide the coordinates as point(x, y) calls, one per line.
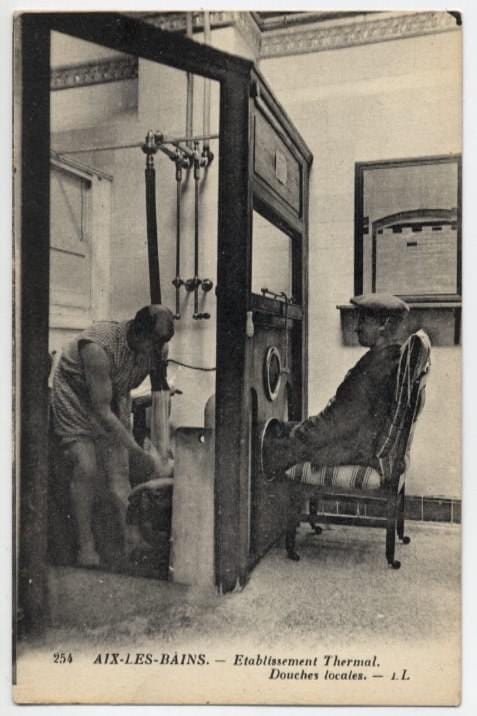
point(93, 73)
point(336, 34)
point(245, 22)
point(249, 29)
point(289, 39)
point(176, 21)
point(267, 21)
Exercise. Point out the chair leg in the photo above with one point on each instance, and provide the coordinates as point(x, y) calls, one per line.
point(290, 541)
point(400, 521)
point(391, 534)
point(313, 516)
point(293, 520)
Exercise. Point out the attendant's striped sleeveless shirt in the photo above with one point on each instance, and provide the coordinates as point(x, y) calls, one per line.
point(73, 415)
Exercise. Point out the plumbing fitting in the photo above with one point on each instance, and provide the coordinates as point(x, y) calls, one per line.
point(282, 296)
point(191, 284)
point(150, 147)
point(177, 282)
point(206, 285)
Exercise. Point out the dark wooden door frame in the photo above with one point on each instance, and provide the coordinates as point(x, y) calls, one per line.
point(233, 280)
point(295, 226)
point(234, 300)
point(237, 78)
point(135, 37)
point(32, 314)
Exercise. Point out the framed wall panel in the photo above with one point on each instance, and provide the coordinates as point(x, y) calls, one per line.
point(408, 228)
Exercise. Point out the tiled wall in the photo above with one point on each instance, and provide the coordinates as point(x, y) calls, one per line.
point(387, 100)
point(429, 509)
point(423, 262)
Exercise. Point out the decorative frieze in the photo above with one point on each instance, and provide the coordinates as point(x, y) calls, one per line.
point(370, 28)
point(114, 69)
point(317, 33)
point(294, 39)
point(245, 23)
point(249, 29)
point(176, 21)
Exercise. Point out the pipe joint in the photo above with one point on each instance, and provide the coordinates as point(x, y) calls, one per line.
point(192, 284)
point(207, 156)
point(151, 143)
point(206, 285)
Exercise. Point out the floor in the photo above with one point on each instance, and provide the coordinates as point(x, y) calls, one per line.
point(342, 585)
point(339, 602)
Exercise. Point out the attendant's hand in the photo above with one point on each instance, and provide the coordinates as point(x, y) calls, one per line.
point(164, 467)
point(145, 464)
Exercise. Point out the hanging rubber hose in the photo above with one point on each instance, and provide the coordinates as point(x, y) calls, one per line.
point(159, 384)
point(150, 148)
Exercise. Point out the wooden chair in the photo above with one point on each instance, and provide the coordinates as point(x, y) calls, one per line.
point(382, 492)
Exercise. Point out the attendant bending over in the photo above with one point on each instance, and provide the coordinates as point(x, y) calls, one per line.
point(90, 401)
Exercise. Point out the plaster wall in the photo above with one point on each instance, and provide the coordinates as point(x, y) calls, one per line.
point(387, 100)
point(158, 102)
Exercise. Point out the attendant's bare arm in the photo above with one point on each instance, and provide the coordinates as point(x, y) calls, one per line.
point(98, 379)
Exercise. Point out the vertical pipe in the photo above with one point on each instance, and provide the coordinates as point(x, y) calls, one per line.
point(196, 231)
point(189, 129)
point(178, 281)
point(206, 108)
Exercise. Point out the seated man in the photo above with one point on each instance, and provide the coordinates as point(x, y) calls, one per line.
point(91, 385)
point(346, 431)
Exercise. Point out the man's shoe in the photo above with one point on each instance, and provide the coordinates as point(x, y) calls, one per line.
point(275, 448)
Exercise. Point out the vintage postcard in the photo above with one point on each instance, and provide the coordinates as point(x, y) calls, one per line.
point(237, 357)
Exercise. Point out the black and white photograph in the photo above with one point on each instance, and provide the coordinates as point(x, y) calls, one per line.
point(237, 357)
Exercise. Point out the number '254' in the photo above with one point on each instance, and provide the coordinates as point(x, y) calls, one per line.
point(59, 657)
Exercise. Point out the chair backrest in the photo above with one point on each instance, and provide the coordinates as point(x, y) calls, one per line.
point(411, 377)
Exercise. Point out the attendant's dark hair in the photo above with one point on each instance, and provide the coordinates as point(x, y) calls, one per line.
point(144, 322)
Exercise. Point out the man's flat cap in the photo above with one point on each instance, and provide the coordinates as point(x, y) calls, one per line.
point(383, 303)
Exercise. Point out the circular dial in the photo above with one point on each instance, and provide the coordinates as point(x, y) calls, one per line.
point(272, 372)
